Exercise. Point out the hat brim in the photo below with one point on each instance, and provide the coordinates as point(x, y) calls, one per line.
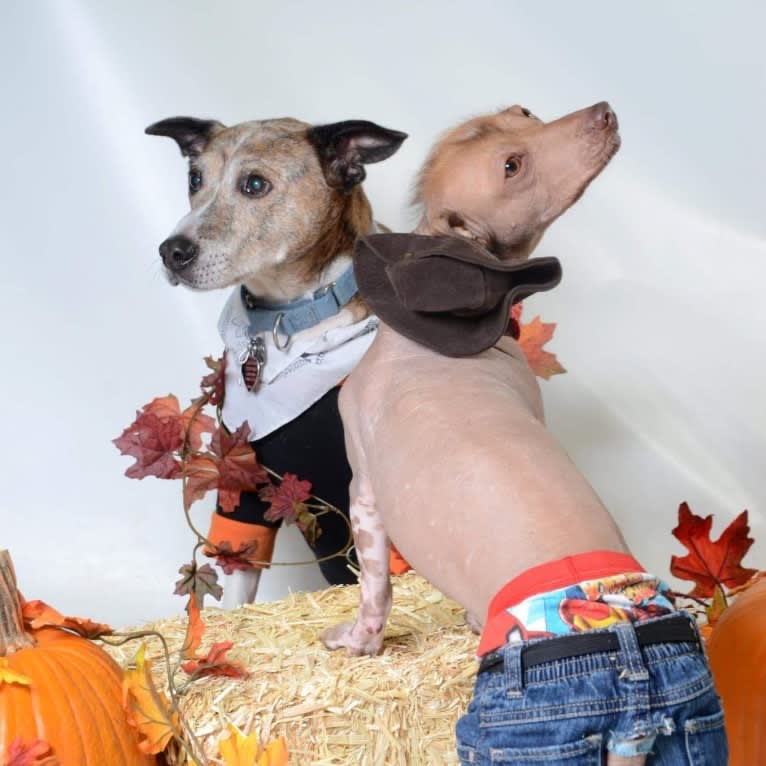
point(445, 332)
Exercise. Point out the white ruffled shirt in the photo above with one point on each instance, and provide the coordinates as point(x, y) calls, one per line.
point(292, 379)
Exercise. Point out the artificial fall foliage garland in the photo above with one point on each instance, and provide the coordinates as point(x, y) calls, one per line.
point(55, 679)
point(170, 443)
point(715, 567)
point(190, 445)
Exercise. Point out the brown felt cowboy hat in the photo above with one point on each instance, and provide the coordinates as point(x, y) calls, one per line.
point(447, 293)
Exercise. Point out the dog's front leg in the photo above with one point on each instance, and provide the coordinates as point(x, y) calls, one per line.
point(365, 634)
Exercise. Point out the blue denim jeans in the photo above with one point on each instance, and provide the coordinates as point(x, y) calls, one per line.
point(657, 699)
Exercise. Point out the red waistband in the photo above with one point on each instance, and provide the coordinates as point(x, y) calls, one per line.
point(560, 574)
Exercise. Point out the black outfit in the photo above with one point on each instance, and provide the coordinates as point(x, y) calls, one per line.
point(313, 448)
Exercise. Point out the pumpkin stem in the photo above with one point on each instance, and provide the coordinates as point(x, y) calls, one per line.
point(12, 634)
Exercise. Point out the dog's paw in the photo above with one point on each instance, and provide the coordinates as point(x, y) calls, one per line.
point(353, 638)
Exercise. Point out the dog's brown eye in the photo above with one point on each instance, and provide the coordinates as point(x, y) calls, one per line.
point(512, 166)
point(256, 186)
point(526, 112)
point(195, 180)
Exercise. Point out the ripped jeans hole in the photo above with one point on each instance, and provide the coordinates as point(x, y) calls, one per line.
point(629, 747)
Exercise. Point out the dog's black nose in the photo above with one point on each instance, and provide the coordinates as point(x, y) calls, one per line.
point(603, 116)
point(178, 252)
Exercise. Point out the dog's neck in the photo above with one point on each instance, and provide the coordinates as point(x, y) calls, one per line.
point(288, 282)
point(518, 250)
point(297, 275)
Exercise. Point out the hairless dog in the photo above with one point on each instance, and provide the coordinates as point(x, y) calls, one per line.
point(452, 462)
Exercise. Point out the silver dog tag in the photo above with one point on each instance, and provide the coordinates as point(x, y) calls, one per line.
point(252, 363)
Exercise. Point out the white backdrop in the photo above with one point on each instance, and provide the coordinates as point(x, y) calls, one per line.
point(661, 318)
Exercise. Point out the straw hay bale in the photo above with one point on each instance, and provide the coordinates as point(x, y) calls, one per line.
point(396, 709)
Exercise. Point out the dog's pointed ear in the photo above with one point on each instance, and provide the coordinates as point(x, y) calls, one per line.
point(189, 133)
point(344, 149)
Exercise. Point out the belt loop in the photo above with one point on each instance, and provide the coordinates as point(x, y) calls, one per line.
point(635, 669)
point(696, 630)
point(513, 671)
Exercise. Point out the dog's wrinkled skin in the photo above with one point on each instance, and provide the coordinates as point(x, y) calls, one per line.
point(450, 457)
point(273, 202)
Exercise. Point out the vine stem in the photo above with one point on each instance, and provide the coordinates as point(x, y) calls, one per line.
point(700, 601)
point(325, 506)
point(197, 757)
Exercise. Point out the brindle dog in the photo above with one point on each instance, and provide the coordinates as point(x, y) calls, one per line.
point(275, 207)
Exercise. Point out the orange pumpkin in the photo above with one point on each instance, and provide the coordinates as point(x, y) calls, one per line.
point(737, 653)
point(61, 688)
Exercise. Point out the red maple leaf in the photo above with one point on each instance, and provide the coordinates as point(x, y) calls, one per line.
point(230, 560)
point(287, 500)
point(238, 467)
point(201, 474)
point(153, 438)
point(216, 664)
point(533, 336)
point(36, 753)
point(192, 420)
point(229, 499)
point(213, 384)
point(200, 580)
point(164, 407)
point(711, 563)
point(514, 321)
point(195, 423)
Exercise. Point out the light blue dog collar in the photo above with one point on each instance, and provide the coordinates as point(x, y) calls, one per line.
point(292, 317)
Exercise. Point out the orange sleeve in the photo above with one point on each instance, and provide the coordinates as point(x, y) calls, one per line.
point(238, 533)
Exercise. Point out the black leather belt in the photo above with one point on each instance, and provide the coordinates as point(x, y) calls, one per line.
point(671, 630)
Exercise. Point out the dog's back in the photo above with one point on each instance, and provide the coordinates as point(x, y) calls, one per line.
point(469, 484)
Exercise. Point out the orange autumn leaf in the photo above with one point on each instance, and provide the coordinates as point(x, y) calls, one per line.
point(147, 709)
point(240, 750)
point(164, 407)
point(717, 606)
point(36, 753)
point(38, 614)
point(195, 423)
point(710, 564)
point(215, 663)
point(534, 335)
point(195, 628)
point(756, 578)
point(275, 754)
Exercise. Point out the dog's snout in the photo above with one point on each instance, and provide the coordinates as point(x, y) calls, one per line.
point(603, 116)
point(178, 252)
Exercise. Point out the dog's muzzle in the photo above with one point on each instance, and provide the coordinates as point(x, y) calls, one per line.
point(178, 252)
